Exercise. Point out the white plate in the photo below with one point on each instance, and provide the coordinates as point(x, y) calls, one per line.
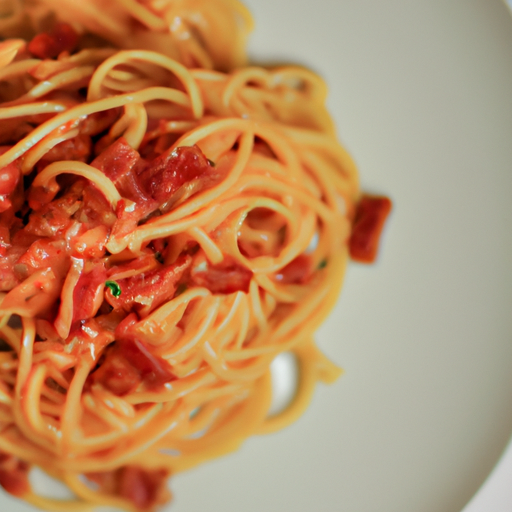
point(421, 92)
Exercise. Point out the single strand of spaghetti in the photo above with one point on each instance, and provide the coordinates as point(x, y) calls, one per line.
point(175, 389)
point(64, 79)
point(145, 16)
point(98, 179)
point(137, 124)
point(124, 56)
point(72, 413)
point(45, 107)
point(92, 497)
point(122, 86)
point(25, 354)
point(212, 252)
point(18, 68)
point(256, 307)
point(32, 156)
point(84, 109)
point(209, 197)
point(31, 403)
point(208, 75)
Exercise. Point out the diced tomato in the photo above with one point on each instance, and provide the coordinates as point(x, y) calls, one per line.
point(371, 215)
point(45, 253)
point(130, 363)
point(146, 291)
point(229, 276)
point(49, 45)
point(55, 217)
point(98, 122)
point(118, 162)
point(88, 293)
point(78, 148)
point(14, 475)
point(298, 271)
point(9, 178)
point(117, 374)
point(144, 488)
point(167, 173)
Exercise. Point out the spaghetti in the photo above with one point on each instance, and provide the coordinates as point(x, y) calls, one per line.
point(169, 223)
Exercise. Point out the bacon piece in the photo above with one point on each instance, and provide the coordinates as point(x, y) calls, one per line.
point(78, 148)
point(146, 291)
point(88, 293)
point(14, 475)
point(371, 214)
point(169, 172)
point(298, 271)
point(146, 489)
point(229, 276)
point(130, 362)
point(118, 162)
point(49, 45)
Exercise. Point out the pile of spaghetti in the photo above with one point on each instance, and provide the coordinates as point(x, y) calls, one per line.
point(170, 221)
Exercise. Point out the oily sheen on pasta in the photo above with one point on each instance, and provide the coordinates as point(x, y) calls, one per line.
point(171, 219)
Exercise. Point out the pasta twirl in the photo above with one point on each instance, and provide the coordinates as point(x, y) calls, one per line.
point(169, 223)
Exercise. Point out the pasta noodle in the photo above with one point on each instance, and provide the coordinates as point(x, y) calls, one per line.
point(171, 220)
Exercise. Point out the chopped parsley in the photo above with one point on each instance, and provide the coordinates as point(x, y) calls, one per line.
point(322, 264)
point(114, 288)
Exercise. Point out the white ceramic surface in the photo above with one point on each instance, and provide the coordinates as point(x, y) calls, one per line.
point(421, 93)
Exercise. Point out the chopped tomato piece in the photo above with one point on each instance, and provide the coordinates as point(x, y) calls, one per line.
point(130, 363)
point(9, 178)
point(168, 172)
point(49, 45)
point(78, 148)
point(146, 489)
point(371, 214)
point(14, 475)
point(118, 162)
point(88, 293)
point(146, 291)
point(229, 276)
point(298, 271)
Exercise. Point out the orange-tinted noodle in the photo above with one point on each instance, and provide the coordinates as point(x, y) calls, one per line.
point(169, 223)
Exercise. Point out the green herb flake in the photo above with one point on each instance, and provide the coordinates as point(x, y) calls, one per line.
point(322, 264)
point(114, 288)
